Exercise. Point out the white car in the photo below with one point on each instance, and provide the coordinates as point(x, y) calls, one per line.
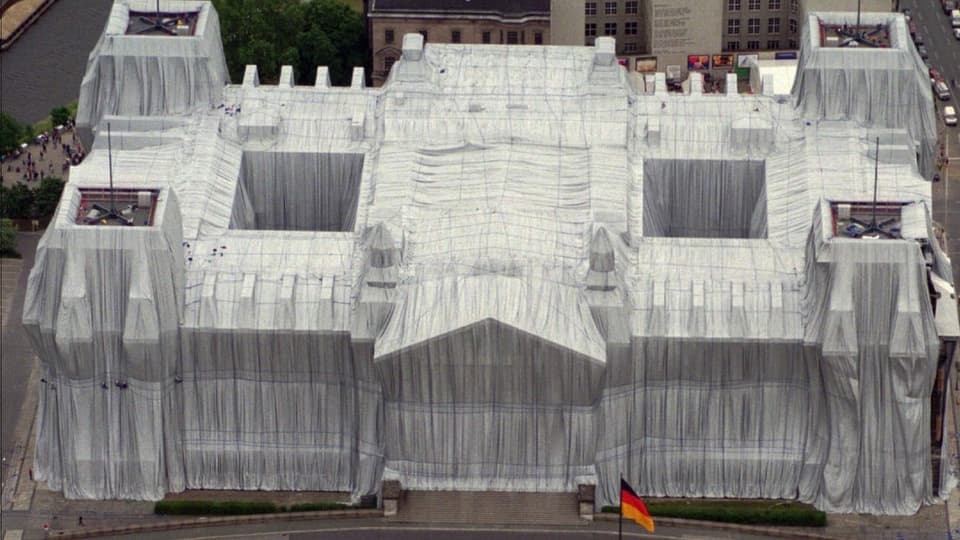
point(956, 33)
point(949, 116)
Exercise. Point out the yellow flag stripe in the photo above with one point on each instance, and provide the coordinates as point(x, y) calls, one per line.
point(644, 521)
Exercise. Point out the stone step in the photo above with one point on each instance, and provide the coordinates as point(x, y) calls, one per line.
point(488, 507)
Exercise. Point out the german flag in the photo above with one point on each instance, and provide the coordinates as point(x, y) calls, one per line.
point(632, 507)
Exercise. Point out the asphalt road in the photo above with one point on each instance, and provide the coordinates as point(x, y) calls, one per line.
point(377, 530)
point(16, 358)
point(944, 50)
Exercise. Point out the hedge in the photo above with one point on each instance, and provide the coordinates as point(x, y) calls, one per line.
point(214, 508)
point(236, 508)
point(742, 512)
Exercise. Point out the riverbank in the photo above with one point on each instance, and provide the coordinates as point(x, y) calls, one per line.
point(17, 17)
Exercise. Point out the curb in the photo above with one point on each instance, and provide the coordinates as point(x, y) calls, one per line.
point(717, 525)
point(218, 522)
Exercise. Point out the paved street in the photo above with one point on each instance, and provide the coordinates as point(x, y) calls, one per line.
point(17, 359)
point(377, 529)
point(944, 51)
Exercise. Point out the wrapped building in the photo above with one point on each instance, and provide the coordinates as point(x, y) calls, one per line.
point(510, 268)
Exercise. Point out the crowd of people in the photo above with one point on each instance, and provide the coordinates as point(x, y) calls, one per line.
point(51, 154)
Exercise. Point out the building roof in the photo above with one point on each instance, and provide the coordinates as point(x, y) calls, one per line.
point(496, 8)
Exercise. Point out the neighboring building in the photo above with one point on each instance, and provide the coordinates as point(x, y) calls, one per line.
point(672, 35)
point(499, 22)
point(755, 25)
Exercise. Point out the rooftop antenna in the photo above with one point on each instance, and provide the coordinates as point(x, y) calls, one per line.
point(113, 202)
point(107, 214)
point(874, 227)
point(856, 35)
point(157, 22)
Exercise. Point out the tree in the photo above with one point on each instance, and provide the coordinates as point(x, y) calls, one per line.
point(332, 36)
point(11, 132)
point(47, 196)
point(8, 239)
point(272, 33)
point(16, 202)
point(59, 115)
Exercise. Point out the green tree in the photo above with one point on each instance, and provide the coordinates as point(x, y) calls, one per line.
point(47, 196)
point(272, 33)
point(11, 132)
point(59, 115)
point(8, 239)
point(333, 36)
point(16, 202)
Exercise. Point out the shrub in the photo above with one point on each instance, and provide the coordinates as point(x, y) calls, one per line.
point(742, 512)
point(59, 115)
point(8, 239)
point(316, 506)
point(47, 196)
point(213, 508)
point(16, 202)
point(10, 133)
point(235, 508)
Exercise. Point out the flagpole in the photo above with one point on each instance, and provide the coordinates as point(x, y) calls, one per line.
point(620, 530)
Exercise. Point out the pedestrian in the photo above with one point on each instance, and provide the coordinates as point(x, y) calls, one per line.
point(30, 472)
point(80, 520)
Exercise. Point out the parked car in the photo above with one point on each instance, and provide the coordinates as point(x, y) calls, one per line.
point(949, 115)
point(906, 13)
point(948, 6)
point(918, 39)
point(923, 52)
point(941, 90)
point(956, 33)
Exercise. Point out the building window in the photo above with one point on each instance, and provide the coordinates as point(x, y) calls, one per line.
point(773, 44)
point(794, 6)
point(388, 63)
point(631, 7)
point(773, 5)
point(753, 45)
point(754, 5)
point(733, 45)
point(733, 26)
point(512, 38)
point(753, 26)
point(590, 29)
point(388, 36)
point(455, 36)
point(733, 5)
point(610, 29)
point(792, 43)
point(485, 37)
point(610, 8)
point(538, 38)
point(424, 34)
point(590, 9)
point(629, 47)
point(630, 28)
point(773, 25)
point(794, 26)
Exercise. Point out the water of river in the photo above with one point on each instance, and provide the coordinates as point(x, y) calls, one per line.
point(44, 67)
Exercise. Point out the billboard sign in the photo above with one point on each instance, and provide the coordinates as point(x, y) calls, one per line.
point(723, 61)
point(696, 62)
point(645, 64)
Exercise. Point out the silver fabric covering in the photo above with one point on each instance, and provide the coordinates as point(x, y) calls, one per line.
point(505, 270)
